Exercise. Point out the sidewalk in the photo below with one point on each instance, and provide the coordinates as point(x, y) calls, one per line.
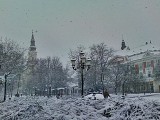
point(141, 95)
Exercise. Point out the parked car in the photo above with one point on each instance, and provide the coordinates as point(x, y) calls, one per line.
point(94, 96)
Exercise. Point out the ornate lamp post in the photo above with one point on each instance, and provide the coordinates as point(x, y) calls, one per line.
point(81, 64)
point(50, 90)
point(46, 90)
point(35, 91)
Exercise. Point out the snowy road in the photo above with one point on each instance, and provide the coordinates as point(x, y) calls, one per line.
point(153, 97)
point(147, 96)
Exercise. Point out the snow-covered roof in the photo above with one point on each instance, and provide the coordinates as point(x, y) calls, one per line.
point(71, 84)
point(138, 52)
point(60, 88)
point(1, 77)
point(122, 52)
point(136, 57)
point(74, 75)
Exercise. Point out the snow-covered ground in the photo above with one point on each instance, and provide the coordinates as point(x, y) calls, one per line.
point(133, 107)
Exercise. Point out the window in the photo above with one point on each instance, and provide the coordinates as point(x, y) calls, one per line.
point(137, 68)
point(149, 73)
point(152, 63)
point(148, 64)
point(140, 66)
point(144, 67)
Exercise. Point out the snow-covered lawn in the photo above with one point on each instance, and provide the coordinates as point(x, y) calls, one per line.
point(72, 108)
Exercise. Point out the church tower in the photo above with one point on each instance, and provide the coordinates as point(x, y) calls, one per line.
point(32, 54)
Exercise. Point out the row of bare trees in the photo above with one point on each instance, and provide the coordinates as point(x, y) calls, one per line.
point(48, 72)
point(13, 68)
point(100, 55)
point(11, 60)
point(103, 75)
point(11, 56)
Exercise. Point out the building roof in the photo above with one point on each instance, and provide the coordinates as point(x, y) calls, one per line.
point(1, 77)
point(138, 52)
point(32, 45)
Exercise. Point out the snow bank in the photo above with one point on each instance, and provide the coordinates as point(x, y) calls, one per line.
point(94, 96)
point(114, 108)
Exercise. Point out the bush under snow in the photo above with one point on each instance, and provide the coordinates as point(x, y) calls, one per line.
point(43, 108)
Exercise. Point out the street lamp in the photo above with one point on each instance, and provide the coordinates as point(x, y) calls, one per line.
point(50, 91)
point(81, 64)
point(46, 90)
point(35, 91)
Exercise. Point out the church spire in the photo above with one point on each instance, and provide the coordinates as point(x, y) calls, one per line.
point(123, 46)
point(32, 45)
point(32, 40)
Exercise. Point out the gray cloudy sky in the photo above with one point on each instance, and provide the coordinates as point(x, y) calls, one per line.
point(65, 24)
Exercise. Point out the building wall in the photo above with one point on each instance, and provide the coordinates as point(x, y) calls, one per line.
point(144, 58)
point(145, 66)
point(156, 84)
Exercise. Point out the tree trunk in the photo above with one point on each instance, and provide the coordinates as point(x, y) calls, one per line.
point(102, 82)
point(5, 87)
point(116, 86)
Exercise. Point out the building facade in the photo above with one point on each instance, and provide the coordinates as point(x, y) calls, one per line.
point(144, 59)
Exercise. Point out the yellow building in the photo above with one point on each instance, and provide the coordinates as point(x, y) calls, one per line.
point(144, 58)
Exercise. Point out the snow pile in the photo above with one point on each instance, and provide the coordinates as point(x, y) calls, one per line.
point(133, 109)
point(43, 108)
point(24, 109)
point(94, 96)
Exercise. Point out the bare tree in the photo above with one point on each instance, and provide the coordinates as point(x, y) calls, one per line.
point(100, 55)
point(12, 56)
point(58, 77)
point(116, 76)
point(49, 73)
point(11, 59)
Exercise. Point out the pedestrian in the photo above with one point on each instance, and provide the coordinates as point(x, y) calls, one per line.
point(57, 96)
point(106, 94)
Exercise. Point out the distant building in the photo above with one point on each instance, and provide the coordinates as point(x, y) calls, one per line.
point(32, 54)
point(28, 75)
point(144, 58)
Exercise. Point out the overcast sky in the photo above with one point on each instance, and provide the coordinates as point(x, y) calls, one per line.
point(65, 24)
